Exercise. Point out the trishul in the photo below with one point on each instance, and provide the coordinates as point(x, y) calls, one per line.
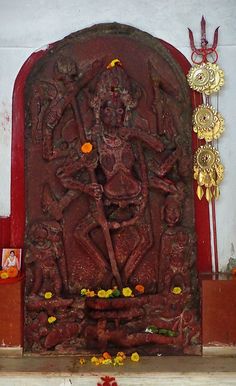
point(204, 52)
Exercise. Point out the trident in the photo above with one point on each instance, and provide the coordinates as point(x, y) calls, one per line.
point(204, 52)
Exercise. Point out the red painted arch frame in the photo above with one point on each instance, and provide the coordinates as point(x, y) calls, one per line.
point(12, 228)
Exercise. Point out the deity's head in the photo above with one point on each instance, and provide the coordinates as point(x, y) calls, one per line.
point(173, 206)
point(172, 211)
point(114, 97)
point(38, 232)
point(112, 113)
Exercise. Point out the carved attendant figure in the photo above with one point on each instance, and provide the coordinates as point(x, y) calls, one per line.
point(47, 254)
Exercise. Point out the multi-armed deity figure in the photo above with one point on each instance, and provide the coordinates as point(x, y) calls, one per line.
point(118, 178)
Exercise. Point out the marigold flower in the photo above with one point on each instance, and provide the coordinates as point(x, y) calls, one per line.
point(135, 357)
point(90, 294)
point(83, 292)
point(139, 288)
point(87, 147)
point(82, 361)
point(106, 362)
point(4, 275)
point(95, 361)
point(127, 292)
point(118, 361)
point(121, 354)
point(176, 290)
point(51, 319)
point(101, 293)
point(109, 293)
point(106, 355)
point(233, 271)
point(48, 295)
point(113, 63)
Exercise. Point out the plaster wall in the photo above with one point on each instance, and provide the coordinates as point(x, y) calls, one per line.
point(27, 25)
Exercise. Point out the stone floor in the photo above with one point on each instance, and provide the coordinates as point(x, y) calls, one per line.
point(161, 371)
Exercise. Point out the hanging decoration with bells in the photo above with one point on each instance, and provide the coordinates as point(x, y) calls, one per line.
point(207, 78)
point(208, 171)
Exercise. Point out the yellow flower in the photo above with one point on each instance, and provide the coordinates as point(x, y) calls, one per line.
point(51, 319)
point(127, 292)
point(135, 357)
point(113, 63)
point(90, 294)
point(48, 295)
point(101, 293)
point(4, 275)
point(83, 292)
point(87, 147)
point(106, 362)
point(118, 361)
point(82, 361)
point(109, 293)
point(121, 354)
point(95, 361)
point(176, 290)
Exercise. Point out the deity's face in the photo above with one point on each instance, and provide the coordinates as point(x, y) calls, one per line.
point(12, 254)
point(40, 234)
point(112, 114)
point(172, 213)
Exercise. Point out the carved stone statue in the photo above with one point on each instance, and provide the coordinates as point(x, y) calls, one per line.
point(108, 146)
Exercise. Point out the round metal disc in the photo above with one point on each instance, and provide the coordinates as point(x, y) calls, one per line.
point(199, 77)
point(206, 157)
point(204, 117)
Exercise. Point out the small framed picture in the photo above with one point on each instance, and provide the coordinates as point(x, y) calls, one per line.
point(11, 257)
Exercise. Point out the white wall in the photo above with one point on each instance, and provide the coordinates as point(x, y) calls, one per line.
point(28, 25)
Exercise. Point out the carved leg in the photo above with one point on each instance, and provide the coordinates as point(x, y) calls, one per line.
point(56, 279)
point(63, 271)
point(145, 242)
point(38, 278)
point(81, 234)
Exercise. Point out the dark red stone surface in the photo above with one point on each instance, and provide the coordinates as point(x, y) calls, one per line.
point(121, 215)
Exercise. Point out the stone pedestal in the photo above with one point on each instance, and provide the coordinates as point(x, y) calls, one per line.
point(11, 316)
point(219, 314)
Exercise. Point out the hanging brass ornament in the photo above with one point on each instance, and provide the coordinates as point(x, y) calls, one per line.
point(208, 172)
point(208, 124)
point(206, 78)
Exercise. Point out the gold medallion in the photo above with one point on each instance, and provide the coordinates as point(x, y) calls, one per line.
point(207, 123)
point(208, 171)
point(206, 78)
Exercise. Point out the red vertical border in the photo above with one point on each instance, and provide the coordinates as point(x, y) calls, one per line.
point(202, 218)
point(12, 229)
point(17, 222)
